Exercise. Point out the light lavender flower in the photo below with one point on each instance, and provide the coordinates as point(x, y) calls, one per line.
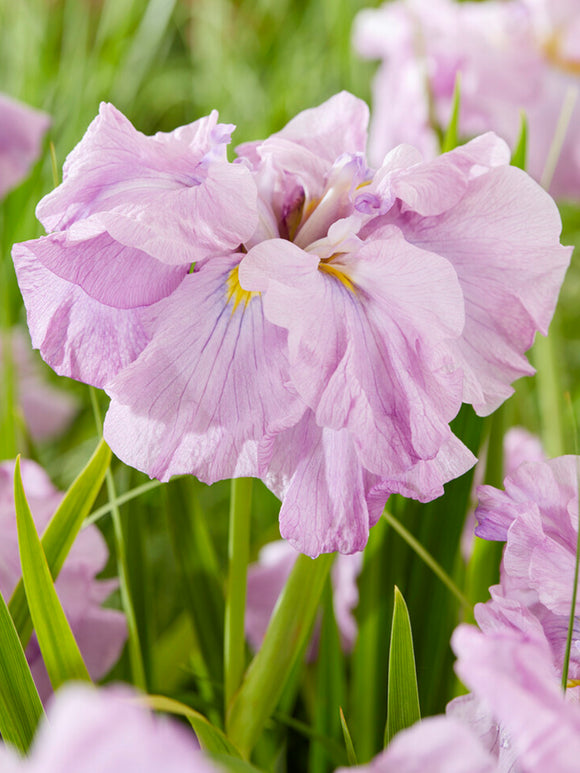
point(336, 318)
point(106, 731)
point(100, 633)
point(46, 410)
point(537, 516)
point(521, 714)
point(21, 133)
point(519, 446)
point(267, 577)
point(520, 54)
point(437, 745)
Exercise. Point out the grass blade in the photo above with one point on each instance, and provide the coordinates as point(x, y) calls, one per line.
point(519, 156)
point(20, 706)
point(330, 684)
point(199, 573)
point(348, 741)
point(451, 137)
point(210, 738)
point(60, 651)
point(286, 635)
point(403, 694)
point(239, 557)
point(63, 529)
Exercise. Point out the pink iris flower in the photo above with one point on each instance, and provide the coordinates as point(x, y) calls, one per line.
point(295, 315)
point(516, 717)
point(89, 730)
point(512, 56)
point(46, 411)
point(267, 577)
point(22, 130)
point(100, 633)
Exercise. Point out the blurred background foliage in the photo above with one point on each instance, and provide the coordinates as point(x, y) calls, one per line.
point(165, 63)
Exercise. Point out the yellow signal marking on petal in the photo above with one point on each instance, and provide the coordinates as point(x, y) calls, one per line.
point(334, 271)
point(235, 292)
point(573, 683)
point(552, 50)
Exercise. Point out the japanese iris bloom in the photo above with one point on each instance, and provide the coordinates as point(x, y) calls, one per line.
point(46, 410)
point(537, 516)
point(100, 633)
point(335, 319)
point(89, 730)
point(21, 133)
point(267, 577)
point(512, 56)
point(519, 446)
point(519, 713)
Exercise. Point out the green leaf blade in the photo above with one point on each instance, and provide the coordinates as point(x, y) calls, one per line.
point(403, 694)
point(210, 737)
point(350, 752)
point(519, 155)
point(59, 649)
point(63, 529)
point(451, 137)
point(20, 706)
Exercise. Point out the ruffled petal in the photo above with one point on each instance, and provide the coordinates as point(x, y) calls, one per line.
point(173, 195)
point(21, 132)
point(324, 506)
point(77, 336)
point(115, 275)
point(502, 238)
point(212, 383)
point(374, 364)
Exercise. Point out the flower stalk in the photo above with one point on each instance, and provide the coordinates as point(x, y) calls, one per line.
point(283, 643)
point(239, 555)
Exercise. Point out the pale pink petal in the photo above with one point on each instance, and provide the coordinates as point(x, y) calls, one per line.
point(373, 340)
point(437, 745)
point(21, 133)
point(321, 481)
point(155, 193)
point(335, 127)
point(90, 259)
point(213, 381)
point(91, 730)
point(77, 336)
point(517, 681)
point(510, 267)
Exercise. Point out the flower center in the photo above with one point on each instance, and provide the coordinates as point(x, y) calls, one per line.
point(554, 53)
point(235, 292)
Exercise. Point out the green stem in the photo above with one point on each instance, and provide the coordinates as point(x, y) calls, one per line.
point(546, 362)
point(483, 566)
point(369, 665)
point(137, 668)
point(239, 556)
point(285, 639)
point(415, 545)
point(573, 603)
point(572, 618)
point(126, 497)
point(8, 407)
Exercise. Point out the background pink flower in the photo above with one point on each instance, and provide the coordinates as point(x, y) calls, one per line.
point(46, 410)
point(267, 577)
point(90, 730)
point(22, 130)
point(100, 633)
point(512, 56)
